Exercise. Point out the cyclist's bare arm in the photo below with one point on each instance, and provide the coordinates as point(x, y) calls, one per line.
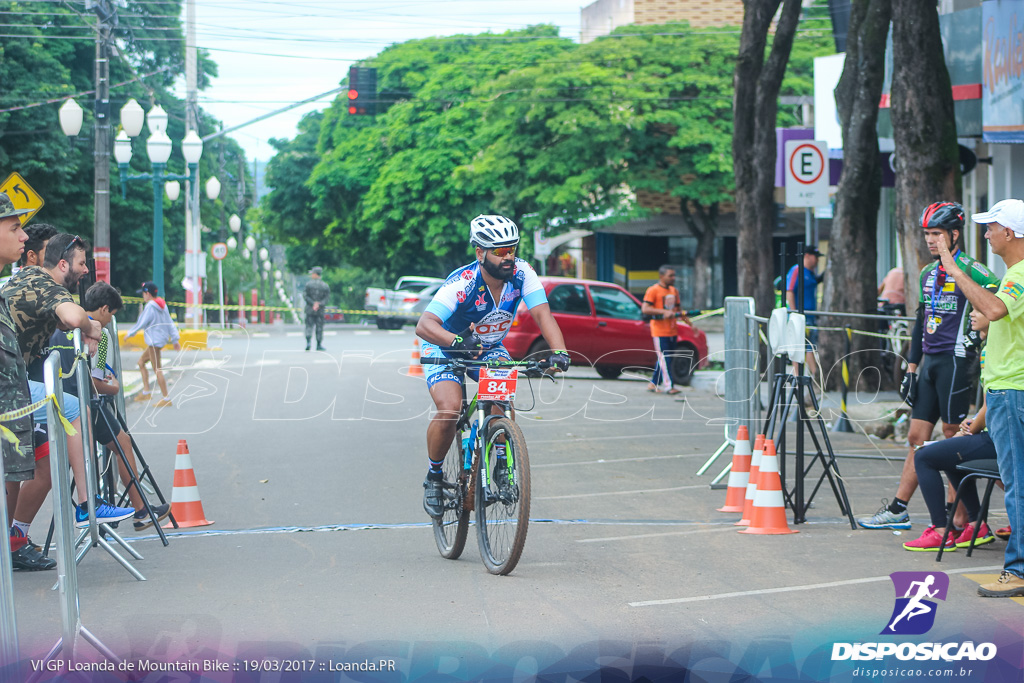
point(430, 328)
point(548, 326)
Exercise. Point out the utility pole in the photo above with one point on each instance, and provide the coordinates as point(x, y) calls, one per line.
point(193, 241)
point(107, 14)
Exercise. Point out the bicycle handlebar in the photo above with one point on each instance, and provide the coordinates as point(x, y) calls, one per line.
point(473, 363)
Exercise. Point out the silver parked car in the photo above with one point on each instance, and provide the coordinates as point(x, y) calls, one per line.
point(407, 301)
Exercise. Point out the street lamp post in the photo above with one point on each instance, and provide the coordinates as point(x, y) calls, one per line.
point(158, 149)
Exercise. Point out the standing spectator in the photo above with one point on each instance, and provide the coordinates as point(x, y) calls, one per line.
point(811, 280)
point(1003, 373)
point(40, 302)
point(942, 388)
point(102, 302)
point(18, 460)
point(661, 301)
point(316, 294)
point(158, 330)
point(38, 235)
point(891, 287)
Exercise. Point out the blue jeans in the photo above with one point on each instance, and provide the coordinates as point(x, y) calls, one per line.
point(1005, 419)
point(666, 348)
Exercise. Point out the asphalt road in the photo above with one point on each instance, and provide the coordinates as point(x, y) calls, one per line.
point(310, 465)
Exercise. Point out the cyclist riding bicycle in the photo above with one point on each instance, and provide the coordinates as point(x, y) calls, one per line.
point(468, 318)
point(942, 387)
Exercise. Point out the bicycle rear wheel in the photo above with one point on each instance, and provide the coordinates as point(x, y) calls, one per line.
point(503, 513)
point(451, 528)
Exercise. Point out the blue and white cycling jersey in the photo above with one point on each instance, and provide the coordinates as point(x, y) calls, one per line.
point(464, 298)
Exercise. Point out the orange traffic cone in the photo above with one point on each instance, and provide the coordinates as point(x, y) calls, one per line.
point(769, 515)
point(415, 369)
point(186, 507)
point(755, 472)
point(739, 474)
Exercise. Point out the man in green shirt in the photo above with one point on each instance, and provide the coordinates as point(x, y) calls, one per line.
point(1003, 374)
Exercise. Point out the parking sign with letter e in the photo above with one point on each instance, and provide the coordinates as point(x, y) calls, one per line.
point(806, 173)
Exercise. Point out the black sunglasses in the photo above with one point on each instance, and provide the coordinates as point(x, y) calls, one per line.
point(76, 240)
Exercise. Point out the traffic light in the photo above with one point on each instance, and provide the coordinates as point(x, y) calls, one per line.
point(362, 90)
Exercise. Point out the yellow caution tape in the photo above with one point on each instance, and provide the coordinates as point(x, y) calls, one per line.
point(9, 436)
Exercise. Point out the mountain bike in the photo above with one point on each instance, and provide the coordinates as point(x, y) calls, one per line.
point(473, 477)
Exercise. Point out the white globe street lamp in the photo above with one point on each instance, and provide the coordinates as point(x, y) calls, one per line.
point(70, 115)
point(278, 275)
point(264, 254)
point(122, 149)
point(158, 148)
point(232, 243)
point(246, 254)
point(173, 189)
point(235, 223)
point(157, 120)
point(212, 187)
point(192, 148)
point(267, 266)
point(250, 243)
point(132, 118)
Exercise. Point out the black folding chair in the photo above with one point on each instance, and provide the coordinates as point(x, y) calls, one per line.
point(975, 469)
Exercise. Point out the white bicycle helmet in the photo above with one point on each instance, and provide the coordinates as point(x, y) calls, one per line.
point(490, 232)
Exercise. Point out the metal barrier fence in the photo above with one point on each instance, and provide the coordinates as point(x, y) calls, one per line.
point(68, 555)
point(743, 338)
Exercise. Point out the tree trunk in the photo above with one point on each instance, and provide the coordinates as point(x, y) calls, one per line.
point(755, 104)
point(924, 129)
point(851, 277)
point(705, 230)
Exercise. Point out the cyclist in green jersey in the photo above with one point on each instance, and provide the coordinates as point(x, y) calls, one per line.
point(942, 387)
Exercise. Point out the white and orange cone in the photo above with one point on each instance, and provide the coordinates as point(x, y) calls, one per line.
point(755, 472)
point(769, 515)
point(415, 369)
point(186, 507)
point(739, 475)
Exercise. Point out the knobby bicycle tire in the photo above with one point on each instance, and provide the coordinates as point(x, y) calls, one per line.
point(450, 529)
point(503, 516)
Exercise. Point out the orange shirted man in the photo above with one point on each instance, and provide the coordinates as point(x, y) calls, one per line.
point(662, 302)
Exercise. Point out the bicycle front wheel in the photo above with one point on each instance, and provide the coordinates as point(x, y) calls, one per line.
point(451, 528)
point(503, 506)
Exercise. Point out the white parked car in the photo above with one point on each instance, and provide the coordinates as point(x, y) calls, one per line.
point(407, 301)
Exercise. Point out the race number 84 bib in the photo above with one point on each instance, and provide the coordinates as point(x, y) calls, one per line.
point(498, 384)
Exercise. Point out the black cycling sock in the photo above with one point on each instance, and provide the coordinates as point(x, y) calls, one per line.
point(897, 506)
point(435, 467)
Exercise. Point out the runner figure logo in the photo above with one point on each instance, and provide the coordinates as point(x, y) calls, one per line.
point(914, 612)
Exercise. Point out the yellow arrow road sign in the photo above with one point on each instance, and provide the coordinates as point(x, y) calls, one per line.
point(22, 196)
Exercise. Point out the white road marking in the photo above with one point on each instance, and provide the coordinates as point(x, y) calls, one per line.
point(730, 527)
point(268, 361)
point(610, 461)
point(791, 589)
point(324, 361)
point(260, 334)
point(332, 333)
point(623, 493)
point(574, 439)
point(396, 332)
point(362, 333)
point(293, 334)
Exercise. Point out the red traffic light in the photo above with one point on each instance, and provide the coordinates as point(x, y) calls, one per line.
point(353, 93)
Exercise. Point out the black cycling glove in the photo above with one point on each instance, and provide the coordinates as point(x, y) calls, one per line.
point(908, 388)
point(559, 360)
point(467, 346)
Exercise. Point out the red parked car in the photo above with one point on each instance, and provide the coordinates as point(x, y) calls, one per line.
point(603, 327)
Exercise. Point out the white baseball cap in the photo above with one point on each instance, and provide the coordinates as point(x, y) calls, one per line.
point(1009, 213)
